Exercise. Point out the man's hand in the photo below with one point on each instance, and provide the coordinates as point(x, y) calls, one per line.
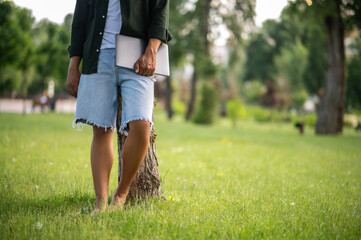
point(146, 64)
point(73, 76)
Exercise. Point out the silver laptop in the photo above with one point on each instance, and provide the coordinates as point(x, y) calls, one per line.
point(130, 49)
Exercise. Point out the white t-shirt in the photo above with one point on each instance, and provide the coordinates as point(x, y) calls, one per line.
point(113, 24)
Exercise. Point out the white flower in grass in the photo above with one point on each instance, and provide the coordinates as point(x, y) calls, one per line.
point(14, 159)
point(86, 165)
point(85, 210)
point(39, 225)
point(292, 203)
point(50, 163)
point(36, 186)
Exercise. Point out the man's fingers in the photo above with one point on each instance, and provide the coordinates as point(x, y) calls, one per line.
point(144, 67)
point(72, 86)
point(148, 70)
point(75, 92)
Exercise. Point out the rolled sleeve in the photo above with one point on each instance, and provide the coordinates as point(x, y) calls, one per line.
point(159, 20)
point(79, 27)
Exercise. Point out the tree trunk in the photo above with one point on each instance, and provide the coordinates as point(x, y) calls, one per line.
point(146, 183)
point(205, 10)
point(330, 111)
point(24, 89)
point(192, 100)
point(168, 97)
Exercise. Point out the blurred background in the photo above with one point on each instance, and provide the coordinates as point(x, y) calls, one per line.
point(266, 61)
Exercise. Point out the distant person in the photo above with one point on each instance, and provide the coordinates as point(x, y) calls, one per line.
point(41, 101)
point(94, 27)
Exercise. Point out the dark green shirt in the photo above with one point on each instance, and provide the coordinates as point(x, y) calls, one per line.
point(140, 18)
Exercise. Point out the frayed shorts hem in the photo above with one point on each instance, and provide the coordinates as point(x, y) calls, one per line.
point(82, 121)
point(124, 128)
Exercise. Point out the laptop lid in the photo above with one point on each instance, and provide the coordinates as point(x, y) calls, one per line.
point(130, 49)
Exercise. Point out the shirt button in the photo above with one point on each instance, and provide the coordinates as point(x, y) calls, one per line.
point(97, 50)
point(100, 33)
point(103, 16)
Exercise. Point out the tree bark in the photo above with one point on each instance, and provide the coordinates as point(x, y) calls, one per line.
point(330, 111)
point(146, 183)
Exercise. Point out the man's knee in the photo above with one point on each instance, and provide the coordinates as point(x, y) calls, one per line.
point(102, 132)
point(140, 129)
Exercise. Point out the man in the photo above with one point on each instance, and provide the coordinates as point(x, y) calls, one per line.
point(94, 27)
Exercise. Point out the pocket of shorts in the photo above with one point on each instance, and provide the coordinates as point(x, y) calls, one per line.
point(151, 78)
point(132, 71)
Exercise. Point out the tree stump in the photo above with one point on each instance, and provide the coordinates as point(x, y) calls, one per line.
point(146, 183)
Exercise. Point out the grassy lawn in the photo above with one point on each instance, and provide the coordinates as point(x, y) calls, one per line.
point(259, 181)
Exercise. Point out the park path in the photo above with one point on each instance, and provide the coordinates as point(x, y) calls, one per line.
point(16, 106)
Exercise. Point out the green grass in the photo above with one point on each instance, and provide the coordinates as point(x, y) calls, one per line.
point(260, 181)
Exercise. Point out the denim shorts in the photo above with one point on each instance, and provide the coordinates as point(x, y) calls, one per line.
point(97, 95)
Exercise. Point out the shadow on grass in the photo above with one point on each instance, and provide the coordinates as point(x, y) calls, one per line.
point(60, 204)
point(54, 205)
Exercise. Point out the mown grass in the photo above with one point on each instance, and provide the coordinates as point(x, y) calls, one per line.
point(259, 181)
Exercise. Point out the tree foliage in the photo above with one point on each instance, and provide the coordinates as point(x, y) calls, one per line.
point(206, 17)
point(15, 44)
point(31, 54)
point(315, 70)
point(291, 63)
point(50, 53)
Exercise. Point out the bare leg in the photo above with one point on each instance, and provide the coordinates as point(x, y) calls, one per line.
point(134, 151)
point(102, 156)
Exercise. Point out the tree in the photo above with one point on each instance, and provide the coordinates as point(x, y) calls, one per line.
point(316, 66)
point(336, 16)
point(267, 43)
point(330, 111)
point(177, 47)
point(15, 44)
point(10, 34)
point(200, 45)
point(205, 18)
point(291, 64)
point(259, 64)
point(50, 55)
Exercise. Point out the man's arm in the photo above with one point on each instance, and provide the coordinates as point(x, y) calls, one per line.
point(159, 20)
point(72, 82)
point(78, 35)
point(78, 28)
point(157, 32)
